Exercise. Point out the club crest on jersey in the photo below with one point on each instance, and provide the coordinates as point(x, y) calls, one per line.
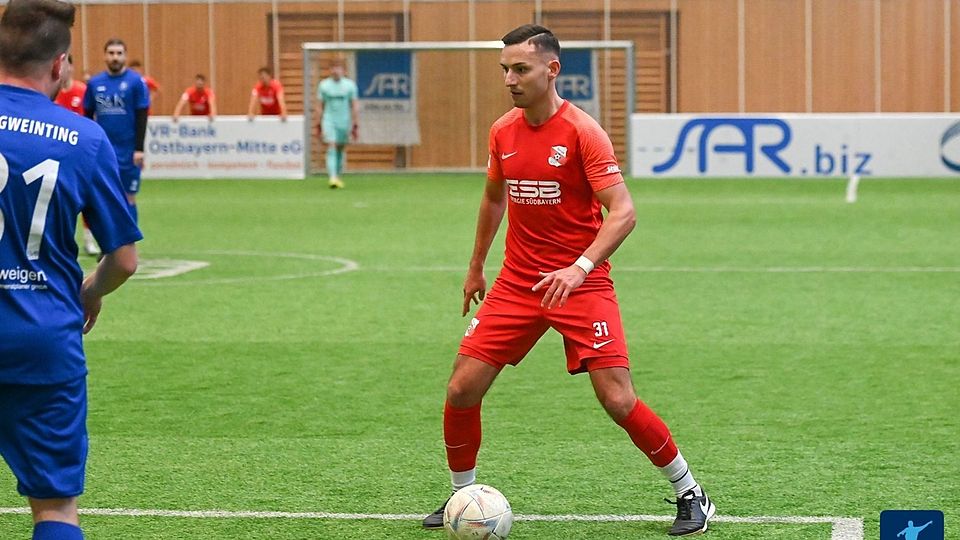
point(559, 156)
point(474, 323)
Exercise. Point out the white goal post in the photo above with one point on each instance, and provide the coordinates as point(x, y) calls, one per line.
point(624, 69)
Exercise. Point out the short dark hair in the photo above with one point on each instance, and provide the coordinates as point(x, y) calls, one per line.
point(114, 41)
point(201, 77)
point(33, 32)
point(266, 70)
point(541, 37)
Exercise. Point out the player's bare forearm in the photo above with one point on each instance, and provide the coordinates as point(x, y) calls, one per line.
point(492, 207)
point(620, 221)
point(115, 268)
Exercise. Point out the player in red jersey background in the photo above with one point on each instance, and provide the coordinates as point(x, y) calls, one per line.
point(268, 95)
point(71, 91)
point(201, 99)
point(554, 168)
point(152, 85)
point(70, 97)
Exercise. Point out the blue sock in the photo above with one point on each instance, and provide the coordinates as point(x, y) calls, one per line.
point(332, 161)
point(56, 530)
point(341, 157)
point(134, 213)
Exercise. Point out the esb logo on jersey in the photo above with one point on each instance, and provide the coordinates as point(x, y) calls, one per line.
point(537, 192)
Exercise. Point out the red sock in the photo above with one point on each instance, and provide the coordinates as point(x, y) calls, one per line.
point(461, 435)
point(650, 434)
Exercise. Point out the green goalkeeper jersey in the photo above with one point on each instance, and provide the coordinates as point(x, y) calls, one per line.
point(336, 97)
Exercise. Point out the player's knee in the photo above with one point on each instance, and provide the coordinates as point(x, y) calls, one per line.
point(461, 395)
point(618, 404)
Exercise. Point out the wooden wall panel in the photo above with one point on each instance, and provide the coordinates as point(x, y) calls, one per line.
point(443, 84)
point(708, 56)
point(493, 98)
point(955, 57)
point(911, 37)
point(843, 58)
point(125, 22)
point(236, 65)
point(774, 44)
point(179, 49)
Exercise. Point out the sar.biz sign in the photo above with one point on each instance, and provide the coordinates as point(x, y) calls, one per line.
point(795, 145)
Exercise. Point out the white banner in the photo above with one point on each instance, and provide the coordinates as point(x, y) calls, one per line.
point(386, 81)
point(227, 147)
point(795, 145)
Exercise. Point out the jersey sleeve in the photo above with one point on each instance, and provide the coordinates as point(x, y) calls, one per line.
point(89, 103)
point(254, 91)
point(142, 99)
point(105, 207)
point(599, 161)
point(277, 87)
point(494, 167)
point(354, 91)
point(186, 95)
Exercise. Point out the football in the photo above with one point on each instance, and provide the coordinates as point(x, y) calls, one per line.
point(477, 512)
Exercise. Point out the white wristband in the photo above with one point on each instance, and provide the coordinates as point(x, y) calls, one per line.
point(585, 264)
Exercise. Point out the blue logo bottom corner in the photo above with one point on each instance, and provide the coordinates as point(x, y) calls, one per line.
point(911, 525)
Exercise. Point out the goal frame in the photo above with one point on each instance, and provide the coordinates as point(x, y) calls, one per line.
point(335, 46)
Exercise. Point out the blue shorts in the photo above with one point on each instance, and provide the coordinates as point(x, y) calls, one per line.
point(43, 437)
point(335, 132)
point(130, 178)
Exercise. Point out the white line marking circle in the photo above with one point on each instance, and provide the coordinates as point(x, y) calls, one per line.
point(345, 265)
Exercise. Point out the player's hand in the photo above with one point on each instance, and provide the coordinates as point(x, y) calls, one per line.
point(175, 119)
point(559, 284)
point(474, 289)
point(91, 307)
point(355, 132)
point(283, 118)
point(249, 118)
point(138, 159)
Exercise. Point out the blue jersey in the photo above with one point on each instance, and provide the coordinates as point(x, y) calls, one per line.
point(114, 100)
point(54, 164)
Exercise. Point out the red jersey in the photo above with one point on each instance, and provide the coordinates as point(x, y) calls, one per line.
point(269, 96)
point(150, 82)
point(552, 172)
point(72, 98)
point(199, 100)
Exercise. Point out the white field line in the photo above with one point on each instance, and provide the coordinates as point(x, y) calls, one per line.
point(844, 528)
point(721, 269)
point(164, 268)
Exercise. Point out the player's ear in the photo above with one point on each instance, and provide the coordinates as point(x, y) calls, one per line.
point(553, 67)
point(56, 70)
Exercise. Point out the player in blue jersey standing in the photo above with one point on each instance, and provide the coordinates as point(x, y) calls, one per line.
point(118, 99)
point(53, 165)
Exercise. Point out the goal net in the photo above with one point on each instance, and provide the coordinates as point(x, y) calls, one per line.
point(428, 106)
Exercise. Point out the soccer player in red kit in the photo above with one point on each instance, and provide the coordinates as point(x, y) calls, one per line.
point(151, 83)
point(553, 166)
point(71, 91)
point(201, 99)
point(268, 93)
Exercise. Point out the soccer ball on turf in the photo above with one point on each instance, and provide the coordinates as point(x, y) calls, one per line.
point(477, 512)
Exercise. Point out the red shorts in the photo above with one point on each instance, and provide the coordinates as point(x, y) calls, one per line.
point(511, 320)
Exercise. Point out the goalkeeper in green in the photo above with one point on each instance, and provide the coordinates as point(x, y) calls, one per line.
point(338, 111)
